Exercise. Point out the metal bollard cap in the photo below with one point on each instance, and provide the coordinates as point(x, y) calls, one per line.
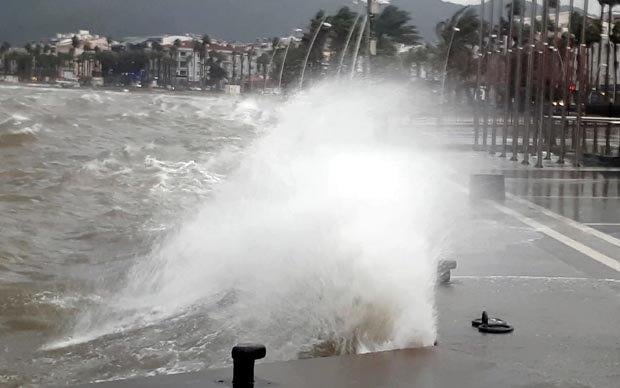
point(248, 351)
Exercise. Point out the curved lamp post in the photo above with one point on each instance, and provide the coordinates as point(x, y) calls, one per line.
point(316, 34)
point(290, 39)
point(273, 55)
point(358, 45)
point(455, 29)
point(346, 44)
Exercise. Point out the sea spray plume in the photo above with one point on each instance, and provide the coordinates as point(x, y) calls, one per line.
point(324, 240)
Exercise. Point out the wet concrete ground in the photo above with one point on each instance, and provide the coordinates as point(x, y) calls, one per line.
point(547, 260)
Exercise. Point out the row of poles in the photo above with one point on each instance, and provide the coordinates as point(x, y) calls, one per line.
point(366, 27)
point(534, 122)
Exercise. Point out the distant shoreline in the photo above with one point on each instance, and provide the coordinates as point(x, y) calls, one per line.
point(130, 89)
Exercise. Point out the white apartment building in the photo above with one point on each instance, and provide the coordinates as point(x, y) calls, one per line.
point(189, 65)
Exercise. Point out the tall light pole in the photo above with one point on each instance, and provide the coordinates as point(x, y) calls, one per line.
point(478, 76)
point(288, 46)
point(581, 85)
point(487, 80)
point(507, 70)
point(609, 27)
point(316, 34)
point(609, 96)
point(455, 29)
point(357, 45)
point(274, 49)
point(541, 85)
point(516, 120)
point(372, 8)
point(600, 48)
point(567, 77)
point(529, 113)
point(346, 44)
point(553, 77)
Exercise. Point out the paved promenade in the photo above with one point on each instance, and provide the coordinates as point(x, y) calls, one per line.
point(547, 259)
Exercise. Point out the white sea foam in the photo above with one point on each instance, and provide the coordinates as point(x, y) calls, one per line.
point(328, 231)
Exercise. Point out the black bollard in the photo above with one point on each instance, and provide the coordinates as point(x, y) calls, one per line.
point(243, 356)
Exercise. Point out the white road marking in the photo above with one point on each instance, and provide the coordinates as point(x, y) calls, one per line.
point(563, 180)
point(584, 228)
point(570, 197)
point(602, 223)
point(527, 277)
point(584, 249)
point(576, 245)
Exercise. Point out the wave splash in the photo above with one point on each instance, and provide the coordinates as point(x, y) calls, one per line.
point(323, 241)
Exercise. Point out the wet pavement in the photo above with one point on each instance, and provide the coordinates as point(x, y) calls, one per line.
point(547, 259)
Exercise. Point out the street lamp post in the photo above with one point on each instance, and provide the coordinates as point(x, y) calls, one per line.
point(541, 85)
point(346, 44)
point(358, 45)
point(507, 70)
point(487, 79)
point(565, 94)
point(288, 46)
point(550, 122)
point(516, 120)
point(610, 96)
point(273, 55)
point(581, 85)
point(529, 113)
point(445, 65)
point(316, 34)
point(478, 76)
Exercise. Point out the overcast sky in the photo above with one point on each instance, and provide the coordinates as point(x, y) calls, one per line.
point(245, 20)
point(592, 4)
point(26, 20)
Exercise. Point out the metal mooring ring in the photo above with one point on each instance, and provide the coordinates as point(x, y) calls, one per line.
point(492, 325)
point(503, 328)
point(492, 321)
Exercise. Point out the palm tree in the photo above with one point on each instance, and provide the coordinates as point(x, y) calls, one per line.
point(4, 49)
point(234, 66)
point(75, 41)
point(342, 25)
point(251, 53)
point(315, 57)
point(262, 63)
point(593, 32)
point(171, 62)
point(392, 26)
point(241, 64)
point(418, 56)
point(204, 55)
point(462, 29)
point(197, 50)
point(157, 56)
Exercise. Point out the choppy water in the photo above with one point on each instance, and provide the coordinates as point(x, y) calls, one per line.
point(146, 233)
